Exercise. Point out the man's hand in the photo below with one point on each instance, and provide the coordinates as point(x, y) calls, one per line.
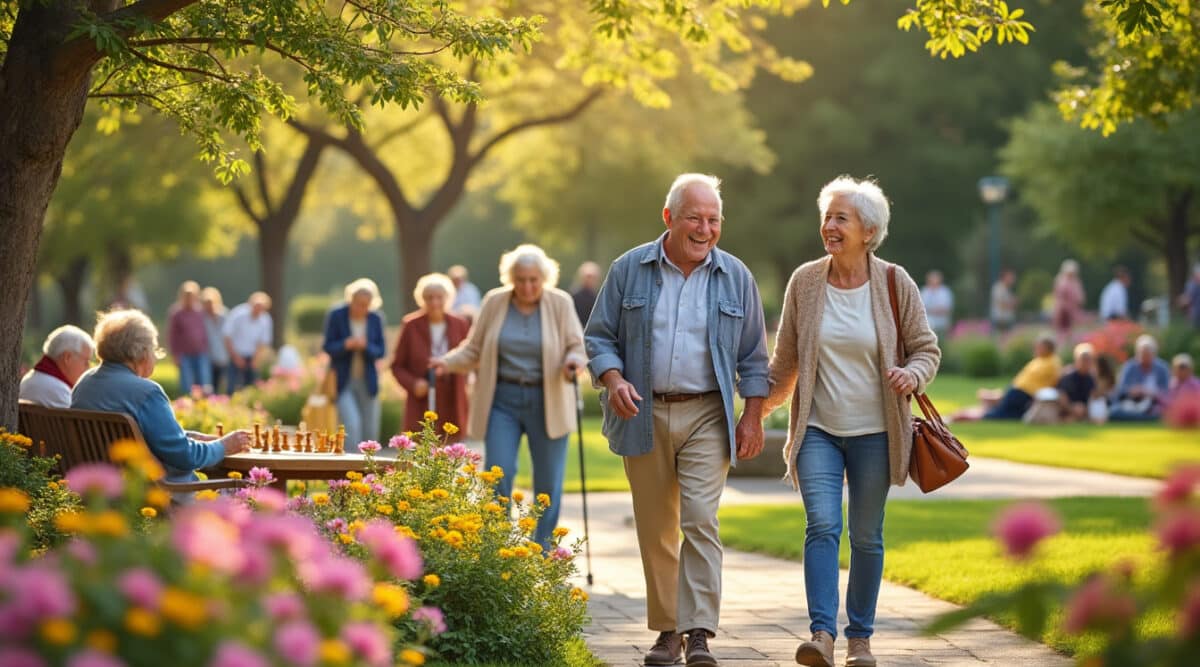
point(749, 432)
point(238, 441)
point(622, 397)
point(238, 361)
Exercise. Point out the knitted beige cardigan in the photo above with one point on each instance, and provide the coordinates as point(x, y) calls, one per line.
point(793, 371)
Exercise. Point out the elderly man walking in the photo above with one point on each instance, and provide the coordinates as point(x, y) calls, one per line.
point(677, 328)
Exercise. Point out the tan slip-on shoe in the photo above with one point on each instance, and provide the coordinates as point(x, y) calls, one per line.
point(816, 652)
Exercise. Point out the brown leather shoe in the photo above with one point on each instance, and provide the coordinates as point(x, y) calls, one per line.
point(697, 649)
point(667, 650)
point(859, 652)
point(816, 652)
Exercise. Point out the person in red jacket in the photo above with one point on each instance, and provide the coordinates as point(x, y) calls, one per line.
point(428, 332)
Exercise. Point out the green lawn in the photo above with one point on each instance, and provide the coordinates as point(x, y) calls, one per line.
point(945, 550)
point(605, 472)
point(951, 393)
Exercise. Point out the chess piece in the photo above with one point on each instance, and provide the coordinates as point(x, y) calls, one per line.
point(308, 443)
point(220, 430)
point(275, 437)
point(340, 446)
point(258, 443)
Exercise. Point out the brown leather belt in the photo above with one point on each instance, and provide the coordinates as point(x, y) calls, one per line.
point(679, 398)
point(533, 382)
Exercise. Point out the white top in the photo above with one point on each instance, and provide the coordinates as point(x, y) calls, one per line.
point(437, 339)
point(848, 396)
point(681, 362)
point(44, 389)
point(247, 332)
point(1004, 304)
point(1114, 300)
point(939, 306)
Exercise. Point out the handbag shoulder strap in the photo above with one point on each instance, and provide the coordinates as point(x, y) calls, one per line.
point(891, 278)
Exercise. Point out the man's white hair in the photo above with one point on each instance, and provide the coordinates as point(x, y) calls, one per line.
point(1146, 341)
point(685, 181)
point(68, 338)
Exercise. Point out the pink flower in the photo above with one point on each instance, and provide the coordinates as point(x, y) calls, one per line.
point(90, 658)
point(100, 478)
point(81, 550)
point(1179, 532)
point(398, 553)
point(402, 442)
point(368, 447)
point(1099, 606)
point(19, 657)
point(297, 643)
point(1179, 486)
point(337, 525)
point(1020, 527)
point(341, 576)
point(235, 654)
point(141, 586)
point(367, 641)
point(265, 498)
point(41, 593)
point(458, 451)
point(431, 616)
point(198, 528)
point(561, 553)
point(281, 606)
point(261, 476)
point(15, 624)
point(335, 484)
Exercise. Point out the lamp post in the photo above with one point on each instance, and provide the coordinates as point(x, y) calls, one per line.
point(993, 190)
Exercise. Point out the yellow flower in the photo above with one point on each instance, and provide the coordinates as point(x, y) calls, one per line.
point(527, 524)
point(57, 631)
point(69, 522)
point(13, 501)
point(335, 651)
point(233, 474)
point(384, 509)
point(521, 552)
point(415, 493)
point(405, 530)
point(432, 580)
point(449, 428)
point(560, 531)
point(52, 484)
point(142, 621)
point(110, 523)
point(354, 476)
point(506, 575)
point(506, 553)
point(158, 497)
point(493, 508)
point(543, 499)
point(430, 416)
point(16, 439)
point(361, 488)
point(299, 485)
point(124, 451)
point(345, 538)
point(440, 494)
point(518, 496)
point(101, 640)
point(392, 598)
point(402, 506)
point(534, 547)
point(454, 539)
point(411, 657)
point(355, 526)
point(497, 470)
point(469, 468)
point(207, 494)
point(184, 609)
point(503, 500)
point(320, 498)
point(579, 594)
point(149, 512)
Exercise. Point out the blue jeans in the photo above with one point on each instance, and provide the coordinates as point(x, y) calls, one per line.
point(221, 379)
point(359, 413)
point(518, 410)
point(822, 462)
point(1012, 405)
point(194, 370)
point(242, 377)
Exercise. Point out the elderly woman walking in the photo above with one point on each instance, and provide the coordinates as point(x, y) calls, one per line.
point(127, 344)
point(835, 358)
point(428, 333)
point(354, 342)
point(527, 346)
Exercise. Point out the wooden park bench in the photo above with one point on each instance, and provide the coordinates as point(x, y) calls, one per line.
point(84, 436)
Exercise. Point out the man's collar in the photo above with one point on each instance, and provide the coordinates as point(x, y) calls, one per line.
point(657, 253)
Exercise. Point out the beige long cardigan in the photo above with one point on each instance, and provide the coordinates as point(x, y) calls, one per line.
point(793, 370)
point(562, 341)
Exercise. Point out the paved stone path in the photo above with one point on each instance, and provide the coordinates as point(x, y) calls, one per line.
point(764, 615)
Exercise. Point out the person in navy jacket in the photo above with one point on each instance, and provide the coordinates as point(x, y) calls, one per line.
point(354, 342)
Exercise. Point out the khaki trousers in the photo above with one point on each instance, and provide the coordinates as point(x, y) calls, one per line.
point(677, 486)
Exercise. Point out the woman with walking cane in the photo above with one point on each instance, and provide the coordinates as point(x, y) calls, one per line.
point(526, 348)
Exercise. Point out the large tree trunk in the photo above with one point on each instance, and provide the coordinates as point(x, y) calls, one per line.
point(272, 259)
point(70, 284)
point(414, 240)
point(1175, 243)
point(42, 97)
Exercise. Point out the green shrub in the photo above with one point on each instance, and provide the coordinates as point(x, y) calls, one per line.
point(1018, 350)
point(1032, 287)
point(976, 357)
point(1177, 338)
point(307, 312)
point(20, 469)
point(167, 374)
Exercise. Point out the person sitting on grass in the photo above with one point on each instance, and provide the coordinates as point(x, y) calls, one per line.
point(1076, 385)
point(1143, 384)
point(1184, 384)
point(1040, 373)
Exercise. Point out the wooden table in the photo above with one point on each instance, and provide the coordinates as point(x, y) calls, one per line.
point(297, 465)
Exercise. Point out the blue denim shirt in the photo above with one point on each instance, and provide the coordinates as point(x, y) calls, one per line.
point(115, 388)
point(618, 336)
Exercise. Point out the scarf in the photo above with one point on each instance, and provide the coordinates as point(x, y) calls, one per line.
point(46, 365)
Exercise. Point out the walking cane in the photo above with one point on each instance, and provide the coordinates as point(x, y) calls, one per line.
point(587, 539)
point(431, 378)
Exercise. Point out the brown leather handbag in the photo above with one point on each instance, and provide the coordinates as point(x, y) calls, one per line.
point(938, 458)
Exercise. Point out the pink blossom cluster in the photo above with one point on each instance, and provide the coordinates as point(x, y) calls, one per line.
point(1020, 527)
point(1099, 605)
point(402, 442)
point(369, 447)
point(458, 451)
point(97, 478)
point(432, 617)
point(398, 553)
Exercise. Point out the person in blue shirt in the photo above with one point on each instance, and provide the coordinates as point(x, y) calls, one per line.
point(354, 342)
point(127, 344)
point(1143, 384)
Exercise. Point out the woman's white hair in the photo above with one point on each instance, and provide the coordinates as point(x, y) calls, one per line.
point(68, 338)
point(528, 254)
point(434, 281)
point(868, 201)
point(364, 286)
point(125, 336)
point(685, 181)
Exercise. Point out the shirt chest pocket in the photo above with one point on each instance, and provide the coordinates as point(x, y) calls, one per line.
point(633, 316)
point(731, 316)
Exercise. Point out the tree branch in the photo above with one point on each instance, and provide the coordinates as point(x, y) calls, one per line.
point(179, 68)
point(551, 119)
point(246, 206)
point(260, 172)
point(81, 53)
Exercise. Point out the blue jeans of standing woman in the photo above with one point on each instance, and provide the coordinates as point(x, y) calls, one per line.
point(358, 411)
point(822, 462)
point(194, 370)
point(521, 409)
